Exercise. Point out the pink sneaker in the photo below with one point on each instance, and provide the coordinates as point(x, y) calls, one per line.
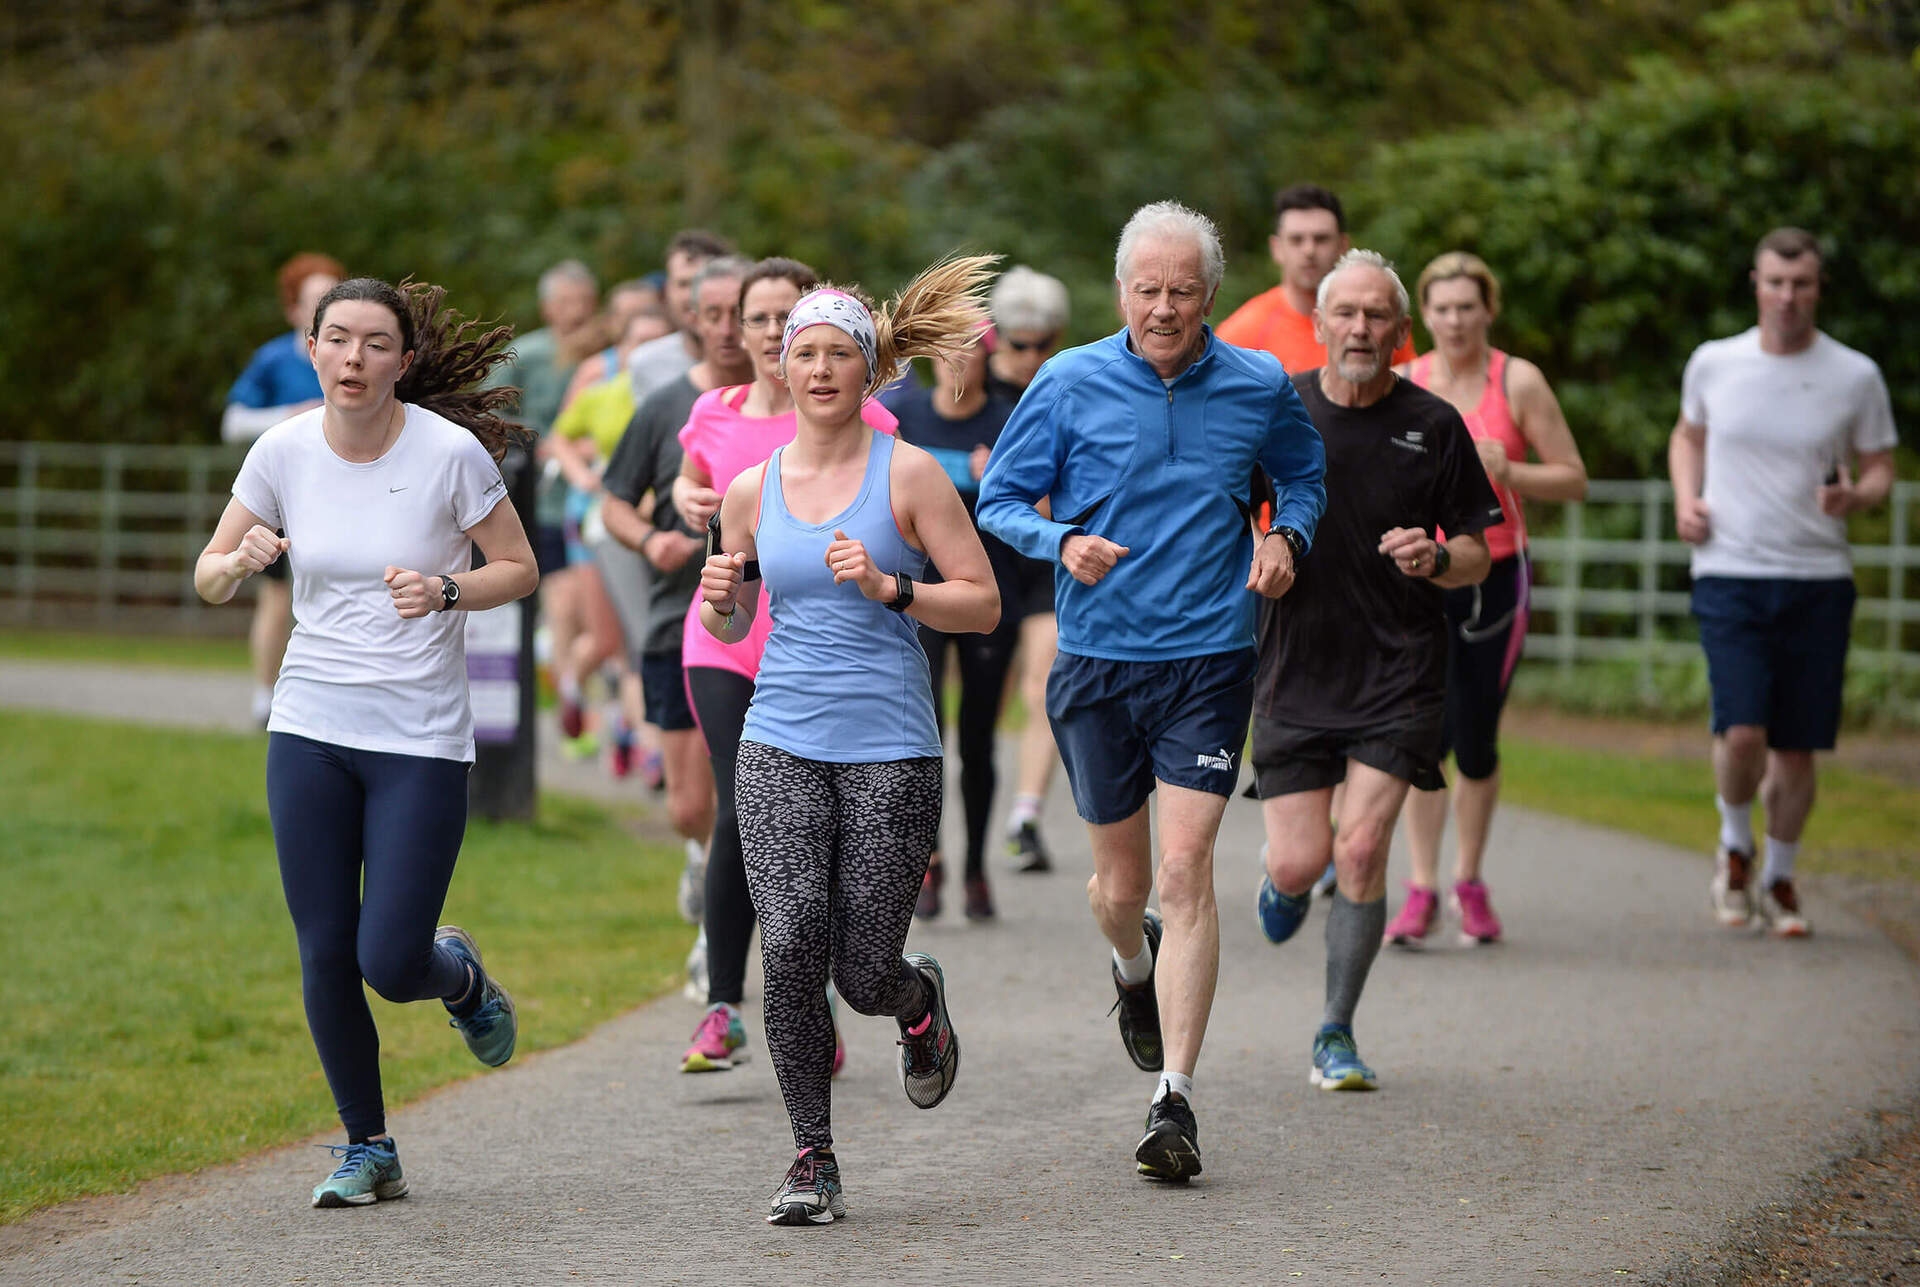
point(718, 1043)
point(1415, 921)
point(1478, 924)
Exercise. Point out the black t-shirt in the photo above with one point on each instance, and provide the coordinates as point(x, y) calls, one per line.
point(648, 460)
point(1356, 644)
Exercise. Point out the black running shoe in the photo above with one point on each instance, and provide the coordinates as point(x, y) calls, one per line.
point(1026, 845)
point(1171, 1150)
point(1140, 1009)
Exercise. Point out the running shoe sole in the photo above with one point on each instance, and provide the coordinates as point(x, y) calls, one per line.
point(1349, 1079)
point(385, 1191)
point(696, 1062)
point(804, 1213)
point(1167, 1156)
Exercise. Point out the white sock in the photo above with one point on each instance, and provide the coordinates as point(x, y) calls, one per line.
point(1736, 825)
point(1025, 809)
point(569, 689)
point(1178, 1083)
point(1779, 864)
point(1139, 969)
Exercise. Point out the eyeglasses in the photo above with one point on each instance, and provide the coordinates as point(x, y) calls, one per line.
point(1028, 346)
point(761, 321)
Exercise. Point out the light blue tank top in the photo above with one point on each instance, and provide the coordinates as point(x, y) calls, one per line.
point(843, 678)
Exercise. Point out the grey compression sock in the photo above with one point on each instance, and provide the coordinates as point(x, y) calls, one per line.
point(1354, 932)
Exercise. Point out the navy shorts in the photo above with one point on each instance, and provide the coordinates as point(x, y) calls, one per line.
point(550, 548)
point(664, 685)
point(1776, 655)
point(1288, 758)
point(1122, 725)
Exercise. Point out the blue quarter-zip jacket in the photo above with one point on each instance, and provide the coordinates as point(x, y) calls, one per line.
point(1164, 471)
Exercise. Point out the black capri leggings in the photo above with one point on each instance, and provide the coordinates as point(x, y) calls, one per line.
point(367, 842)
point(720, 699)
point(984, 663)
point(834, 854)
point(1486, 625)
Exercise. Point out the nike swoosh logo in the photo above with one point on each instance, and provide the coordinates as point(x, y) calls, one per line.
point(392, 490)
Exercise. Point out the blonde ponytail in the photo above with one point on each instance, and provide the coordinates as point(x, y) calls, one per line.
point(938, 315)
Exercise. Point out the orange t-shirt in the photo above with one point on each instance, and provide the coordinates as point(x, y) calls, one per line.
point(1268, 321)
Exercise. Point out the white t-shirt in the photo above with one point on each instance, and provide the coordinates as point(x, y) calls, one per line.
point(1776, 425)
point(356, 674)
point(658, 363)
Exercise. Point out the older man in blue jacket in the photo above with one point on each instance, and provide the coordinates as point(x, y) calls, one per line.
point(1143, 446)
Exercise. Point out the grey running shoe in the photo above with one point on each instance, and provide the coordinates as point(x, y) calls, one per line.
point(368, 1172)
point(811, 1192)
point(490, 1028)
point(1171, 1150)
point(930, 1058)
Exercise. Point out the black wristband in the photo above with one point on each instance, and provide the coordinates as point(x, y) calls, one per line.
point(1295, 542)
point(1442, 560)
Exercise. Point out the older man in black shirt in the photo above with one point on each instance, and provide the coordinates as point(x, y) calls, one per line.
point(1352, 677)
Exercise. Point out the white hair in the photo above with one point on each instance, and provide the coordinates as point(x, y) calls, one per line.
point(1357, 258)
point(1171, 220)
point(567, 270)
point(1025, 300)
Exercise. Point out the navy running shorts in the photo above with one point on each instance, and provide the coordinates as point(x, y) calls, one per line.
point(1123, 725)
point(664, 685)
point(1776, 655)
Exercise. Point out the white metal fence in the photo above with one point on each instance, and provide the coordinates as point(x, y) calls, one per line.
point(109, 533)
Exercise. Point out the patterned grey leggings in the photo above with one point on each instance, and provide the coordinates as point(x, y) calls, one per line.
point(834, 856)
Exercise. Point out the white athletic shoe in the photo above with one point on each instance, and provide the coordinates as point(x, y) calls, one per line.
point(696, 989)
point(1780, 909)
point(693, 884)
point(1731, 888)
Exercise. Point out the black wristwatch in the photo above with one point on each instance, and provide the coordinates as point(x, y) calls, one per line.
point(449, 592)
point(1295, 542)
point(903, 593)
point(1442, 560)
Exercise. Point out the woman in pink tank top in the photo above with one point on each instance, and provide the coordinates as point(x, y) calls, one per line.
point(1511, 412)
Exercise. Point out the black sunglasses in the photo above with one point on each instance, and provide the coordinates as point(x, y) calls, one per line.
point(1027, 346)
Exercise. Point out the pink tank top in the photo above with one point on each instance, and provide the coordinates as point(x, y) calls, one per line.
point(1492, 420)
point(725, 444)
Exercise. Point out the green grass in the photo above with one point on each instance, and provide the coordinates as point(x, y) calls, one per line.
point(124, 650)
point(1862, 824)
point(151, 982)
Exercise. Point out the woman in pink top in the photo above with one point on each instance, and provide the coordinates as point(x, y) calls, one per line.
point(1509, 410)
point(729, 431)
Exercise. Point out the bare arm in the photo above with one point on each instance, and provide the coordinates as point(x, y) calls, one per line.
point(1560, 474)
point(693, 495)
point(1864, 490)
point(1687, 467)
point(510, 572)
point(241, 546)
point(729, 603)
point(967, 599)
point(1416, 555)
point(576, 456)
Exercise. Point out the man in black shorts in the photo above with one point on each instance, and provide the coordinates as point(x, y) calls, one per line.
point(1352, 676)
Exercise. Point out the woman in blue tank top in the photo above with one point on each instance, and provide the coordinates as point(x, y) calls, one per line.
point(838, 782)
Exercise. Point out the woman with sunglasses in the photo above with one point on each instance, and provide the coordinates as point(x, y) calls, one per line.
point(1510, 411)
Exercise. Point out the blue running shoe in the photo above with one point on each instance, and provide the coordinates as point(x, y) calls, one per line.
point(1280, 914)
point(367, 1173)
point(1336, 1062)
point(490, 1028)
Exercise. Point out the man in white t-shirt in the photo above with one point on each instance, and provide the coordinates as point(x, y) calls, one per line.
point(1783, 432)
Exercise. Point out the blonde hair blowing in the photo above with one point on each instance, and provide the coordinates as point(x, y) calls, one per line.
point(938, 315)
point(1460, 263)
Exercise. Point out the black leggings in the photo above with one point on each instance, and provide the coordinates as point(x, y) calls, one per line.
point(984, 663)
point(720, 699)
point(834, 853)
point(1486, 625)
point(367, 842)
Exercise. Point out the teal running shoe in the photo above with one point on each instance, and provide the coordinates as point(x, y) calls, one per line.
point(811, 1192)
point(1281, 915)
point(491, 1028)
point(1336, 1061)
point(367, 1173)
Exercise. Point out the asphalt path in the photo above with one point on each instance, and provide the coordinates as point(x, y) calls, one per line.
point(1607, 1095)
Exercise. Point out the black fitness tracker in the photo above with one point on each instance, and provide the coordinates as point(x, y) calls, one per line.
point(903, 592)
point(1442, 560)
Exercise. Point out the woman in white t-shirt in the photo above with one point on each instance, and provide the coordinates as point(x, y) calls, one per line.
point(384, 490)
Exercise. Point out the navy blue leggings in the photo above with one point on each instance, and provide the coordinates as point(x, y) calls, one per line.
point(367, 841)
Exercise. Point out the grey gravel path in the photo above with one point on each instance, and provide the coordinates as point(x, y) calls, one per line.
point(1612, 1090)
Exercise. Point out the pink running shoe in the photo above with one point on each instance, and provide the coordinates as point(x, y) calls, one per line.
point(718, 1043)
point(1411, 927)
point(1478, 924)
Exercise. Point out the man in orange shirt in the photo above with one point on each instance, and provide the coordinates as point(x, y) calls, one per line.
point(1309, 235)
